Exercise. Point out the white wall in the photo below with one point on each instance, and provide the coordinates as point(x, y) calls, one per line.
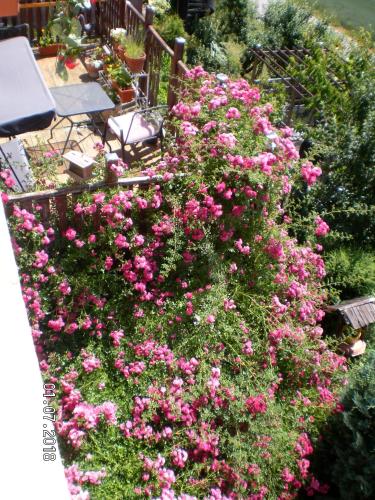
point(24, 474)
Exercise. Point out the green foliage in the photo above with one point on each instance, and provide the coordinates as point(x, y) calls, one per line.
point(164, 78)
point(134, 47)
point(285, 24)
point(234, 17)
point(170, 27)
point(161, 7)
point(206, 47)
point(351, 272)
point(66, 28)
point(46, 38)
point(288, 24)
point(353, 469)
point(119, 74)
point(343, 98)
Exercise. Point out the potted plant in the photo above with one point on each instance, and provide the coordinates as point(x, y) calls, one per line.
point(66, 27)
point(120, 49)
point(121, 82)
point(95, 63)
point(135, 56)
point(108, 61)
point(117, 36)
point(48, 45)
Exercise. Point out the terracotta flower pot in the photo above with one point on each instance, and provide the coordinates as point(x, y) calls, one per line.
point(114, 85)
point(9, 8)
point(125, 95)
point(50, 50)
point(120, 53)
point(135, 65)
point(93, 69)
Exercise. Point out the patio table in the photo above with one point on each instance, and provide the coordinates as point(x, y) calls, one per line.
point(79, 99)
point(26, 104)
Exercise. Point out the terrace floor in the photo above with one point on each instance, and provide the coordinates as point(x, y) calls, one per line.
point(82, 138)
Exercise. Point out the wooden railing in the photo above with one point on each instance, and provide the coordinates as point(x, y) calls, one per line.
point(124, 13)
point(54, 203)
point(36, 13)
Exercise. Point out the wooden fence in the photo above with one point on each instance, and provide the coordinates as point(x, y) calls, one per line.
point(54, 203)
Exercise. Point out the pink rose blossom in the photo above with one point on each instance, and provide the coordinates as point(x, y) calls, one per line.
point(70, 234)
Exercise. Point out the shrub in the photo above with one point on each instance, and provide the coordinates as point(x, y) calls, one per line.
point(161, 7)
point(180, 323)
point(285, 24)
point(170, 27)
point(350, 272)
point(352, 442)
point(343, 139)
point(206, 47)
point(234, 17)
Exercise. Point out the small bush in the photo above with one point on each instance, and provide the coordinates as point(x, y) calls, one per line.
point(206, 47)
point(351, 272)
point(170, 27)
point(235, 16)
point(286, 23)
point(354, 438)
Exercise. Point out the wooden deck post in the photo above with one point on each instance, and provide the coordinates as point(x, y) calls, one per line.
point(137, 4)
point(149, 18)
point(178, 52)
point(122, 13)
point(110, 177)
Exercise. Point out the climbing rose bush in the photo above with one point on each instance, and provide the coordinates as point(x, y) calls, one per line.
point(180, 323)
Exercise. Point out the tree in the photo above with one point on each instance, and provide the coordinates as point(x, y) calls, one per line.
point(234, 17)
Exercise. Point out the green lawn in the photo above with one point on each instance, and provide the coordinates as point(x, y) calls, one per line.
point(351, 13)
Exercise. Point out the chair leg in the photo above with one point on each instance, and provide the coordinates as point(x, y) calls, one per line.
point(122, 148)
point(104, 136)
point(161, 141)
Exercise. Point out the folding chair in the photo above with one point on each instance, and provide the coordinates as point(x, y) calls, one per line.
point(139, 126)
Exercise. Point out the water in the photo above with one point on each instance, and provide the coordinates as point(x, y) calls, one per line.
point(351, 13)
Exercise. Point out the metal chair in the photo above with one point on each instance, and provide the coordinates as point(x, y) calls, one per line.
point(14, 157)
point(144, 125)
point(7, 32)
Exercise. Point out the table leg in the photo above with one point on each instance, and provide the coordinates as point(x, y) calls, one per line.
point(58, 123)
point(70, 131)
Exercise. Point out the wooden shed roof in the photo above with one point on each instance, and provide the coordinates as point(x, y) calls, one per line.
point(357, 313)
